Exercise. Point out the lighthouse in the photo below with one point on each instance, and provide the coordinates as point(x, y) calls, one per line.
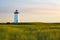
point(16, 16)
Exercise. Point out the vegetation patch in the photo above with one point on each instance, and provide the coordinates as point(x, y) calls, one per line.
point(32, 31)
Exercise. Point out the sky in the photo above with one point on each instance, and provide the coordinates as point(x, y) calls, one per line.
point(30, 10)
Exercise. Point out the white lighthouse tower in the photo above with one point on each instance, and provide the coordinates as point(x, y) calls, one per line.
point(16, 16)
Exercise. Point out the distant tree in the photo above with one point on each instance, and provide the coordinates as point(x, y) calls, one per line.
point(8, 22)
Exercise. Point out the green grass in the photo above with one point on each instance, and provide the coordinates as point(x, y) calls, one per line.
point(30, 31)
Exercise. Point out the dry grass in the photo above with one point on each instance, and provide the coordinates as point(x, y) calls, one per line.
point(37, 31)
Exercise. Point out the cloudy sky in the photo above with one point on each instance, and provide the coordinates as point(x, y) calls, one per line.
point(30, 10)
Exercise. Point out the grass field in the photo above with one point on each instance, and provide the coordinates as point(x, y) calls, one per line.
point(30, 31)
